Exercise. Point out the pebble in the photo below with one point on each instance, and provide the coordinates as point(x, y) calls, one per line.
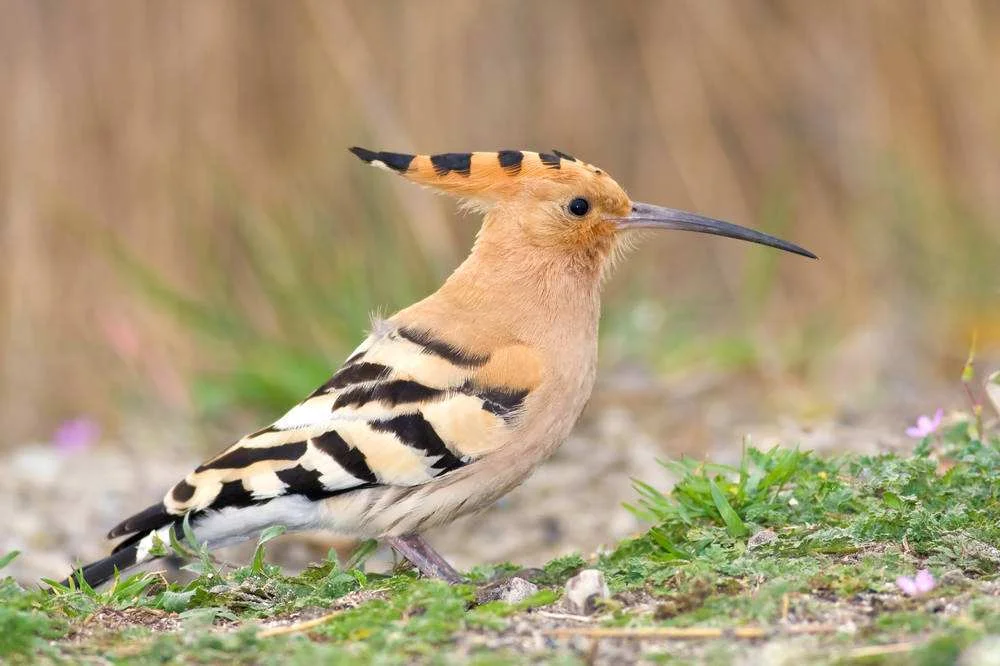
point(512, 590)
point(517, 590)
point(584, 590)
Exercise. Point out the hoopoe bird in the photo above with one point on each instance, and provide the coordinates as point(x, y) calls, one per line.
point(450, 403)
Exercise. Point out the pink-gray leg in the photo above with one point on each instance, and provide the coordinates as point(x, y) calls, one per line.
point(427, 560)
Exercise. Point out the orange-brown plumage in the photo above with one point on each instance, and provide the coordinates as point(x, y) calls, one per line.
point(451, 402)
point(526, 190)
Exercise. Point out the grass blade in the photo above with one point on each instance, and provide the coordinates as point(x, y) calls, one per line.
point(272, 532)
point(8, 558)
point(734, 525)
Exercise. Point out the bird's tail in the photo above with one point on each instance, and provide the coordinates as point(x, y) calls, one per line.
point(96, 573)
point(134, 550)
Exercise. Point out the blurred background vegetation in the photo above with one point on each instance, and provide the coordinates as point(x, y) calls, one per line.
point(183, 234)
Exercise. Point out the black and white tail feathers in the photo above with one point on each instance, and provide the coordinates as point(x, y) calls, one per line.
point(127, 553)
point(104, 569)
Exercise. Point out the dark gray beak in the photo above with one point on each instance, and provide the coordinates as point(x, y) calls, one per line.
point(648, 216)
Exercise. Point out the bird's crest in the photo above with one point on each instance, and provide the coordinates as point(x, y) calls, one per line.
point(487, 176)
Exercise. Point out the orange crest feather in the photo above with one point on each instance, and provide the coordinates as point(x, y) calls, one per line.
point(490, 176)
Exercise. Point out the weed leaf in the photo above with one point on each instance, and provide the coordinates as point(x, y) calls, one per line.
point(734, 525)
point(8, 558)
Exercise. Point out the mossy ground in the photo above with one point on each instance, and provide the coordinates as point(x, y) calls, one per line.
point(786, 542)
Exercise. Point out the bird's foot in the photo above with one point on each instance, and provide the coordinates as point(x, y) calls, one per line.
point(427, 560)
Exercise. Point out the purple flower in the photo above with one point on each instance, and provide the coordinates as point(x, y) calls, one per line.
point(922, 583)
point(75, 435)
point(926, 425)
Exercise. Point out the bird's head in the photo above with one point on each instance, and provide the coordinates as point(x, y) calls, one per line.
point(553, 202)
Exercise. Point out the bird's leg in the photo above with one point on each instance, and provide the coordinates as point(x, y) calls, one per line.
point(427, 560)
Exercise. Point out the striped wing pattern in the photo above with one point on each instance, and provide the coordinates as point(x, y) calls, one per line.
point(405, 408)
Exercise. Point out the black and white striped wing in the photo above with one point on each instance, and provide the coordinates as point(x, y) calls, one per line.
point(404, 409)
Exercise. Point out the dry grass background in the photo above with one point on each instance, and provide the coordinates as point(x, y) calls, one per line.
point(188, 131)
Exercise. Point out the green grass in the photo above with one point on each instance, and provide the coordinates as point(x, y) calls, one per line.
point(841, 530)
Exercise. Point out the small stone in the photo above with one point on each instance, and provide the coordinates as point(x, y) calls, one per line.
point(512, 590)
point(517, 590)
point(761, 538)
point(584, 590)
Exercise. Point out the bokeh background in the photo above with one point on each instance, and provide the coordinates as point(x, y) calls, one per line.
point(186, 247)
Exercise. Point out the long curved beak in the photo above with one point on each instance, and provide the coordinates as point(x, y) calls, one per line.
point(648, 216)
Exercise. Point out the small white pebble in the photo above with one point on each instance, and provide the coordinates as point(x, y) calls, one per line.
point(584, 590)
point(517, 590)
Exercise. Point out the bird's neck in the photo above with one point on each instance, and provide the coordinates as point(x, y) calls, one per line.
point(526, 288)
point(509, 288)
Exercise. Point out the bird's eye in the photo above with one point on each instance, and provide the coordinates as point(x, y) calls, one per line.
point(579, 206)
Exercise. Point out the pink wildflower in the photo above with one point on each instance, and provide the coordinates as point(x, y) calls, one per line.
point(926, 425)
point(75, 435)
point(922, 583)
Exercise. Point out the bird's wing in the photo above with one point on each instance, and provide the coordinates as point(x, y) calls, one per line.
point(406, 407)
